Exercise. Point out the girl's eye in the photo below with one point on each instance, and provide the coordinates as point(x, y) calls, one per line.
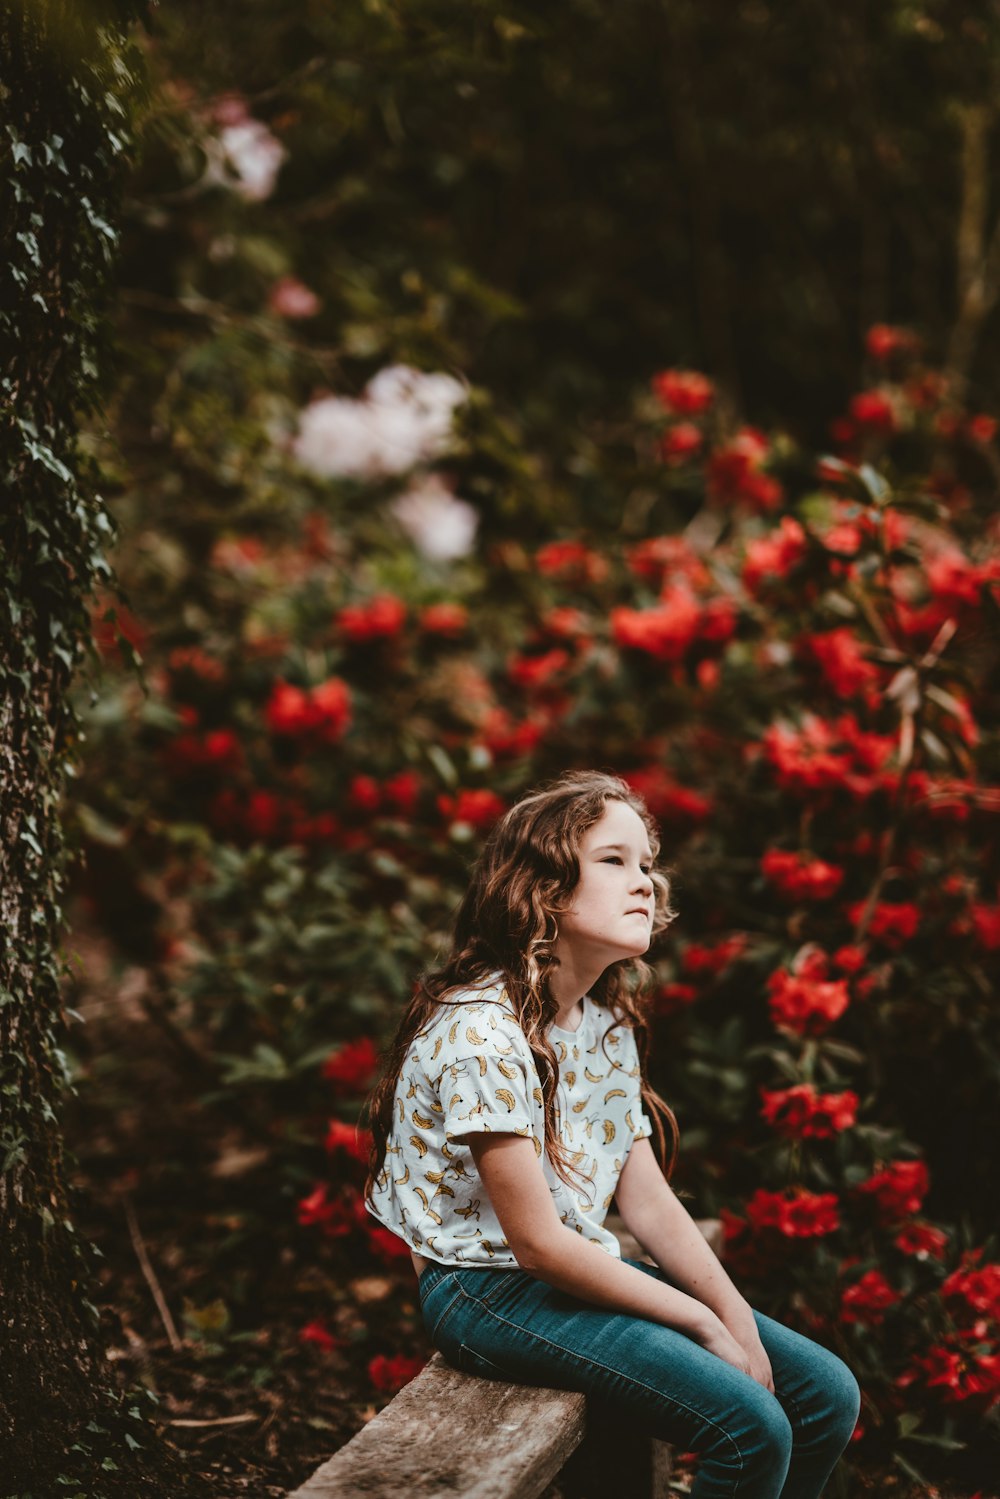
point(615, 859)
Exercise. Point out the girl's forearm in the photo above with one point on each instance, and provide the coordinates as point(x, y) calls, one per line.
point(670, 1236)
point(581, 1269)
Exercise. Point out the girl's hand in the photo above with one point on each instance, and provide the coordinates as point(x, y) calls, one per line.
point(749, 1356)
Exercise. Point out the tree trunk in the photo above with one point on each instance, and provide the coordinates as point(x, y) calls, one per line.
point(64, 105)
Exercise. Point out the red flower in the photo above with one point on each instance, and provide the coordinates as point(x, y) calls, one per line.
point(849, 959)
point(388, 1246)
point(668, 801)
point(774, 555)
point(868, 1299)
point(322, 712)
point(684, 392)
point(803, 1114)
point(898, 1189)
point(801, 1215)
point(801, 878)
point(391, 1374)
point(672, 997)
point(680, 443)
point(478, 808)
point(658, 556)
point(335, 1218)
point(735, 472)
point(841, 658)
point(892, 922)
point(320, 1334)
point(505, 738)
point(444, 619)
point(350, 1138)
point(380, 618)
point(958, 1373)
point(700, 957)
point(803, 1005)
point(352, 1065)
point(873, 410)
point(665, 631)
point(218, 750)
point(981, 428)
point(882, 341)
point(536, 672)
point(572, 561)
point(921, 1239)
point(986, 925)
point(402, 791)
point(978, 1288)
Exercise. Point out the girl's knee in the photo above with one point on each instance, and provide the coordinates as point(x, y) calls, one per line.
point(844, 1400)
point(759, 1445)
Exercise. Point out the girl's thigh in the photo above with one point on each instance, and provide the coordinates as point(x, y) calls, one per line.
point(507, 1325)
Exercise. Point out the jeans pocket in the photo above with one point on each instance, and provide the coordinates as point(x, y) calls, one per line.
point(487, 1286)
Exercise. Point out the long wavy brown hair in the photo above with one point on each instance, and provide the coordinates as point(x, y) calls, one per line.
point(508, 920)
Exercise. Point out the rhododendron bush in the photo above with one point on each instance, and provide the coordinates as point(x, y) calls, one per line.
point(414, 514)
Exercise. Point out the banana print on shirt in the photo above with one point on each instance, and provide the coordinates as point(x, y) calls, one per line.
point(471, 1071)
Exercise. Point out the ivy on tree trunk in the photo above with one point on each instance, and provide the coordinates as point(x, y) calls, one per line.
point(71, 77)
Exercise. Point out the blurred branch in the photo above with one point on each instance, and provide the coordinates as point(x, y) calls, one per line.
point(221, 316)
point(150, 1274)
point(978, 266)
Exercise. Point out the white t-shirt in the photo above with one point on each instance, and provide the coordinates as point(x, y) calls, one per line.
point(471, 1070)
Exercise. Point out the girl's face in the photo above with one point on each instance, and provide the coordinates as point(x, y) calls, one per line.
point(611, 915)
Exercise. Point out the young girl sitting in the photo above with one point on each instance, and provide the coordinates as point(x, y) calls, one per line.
point(514, 1108)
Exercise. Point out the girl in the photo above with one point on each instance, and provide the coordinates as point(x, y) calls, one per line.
point(514, 1108)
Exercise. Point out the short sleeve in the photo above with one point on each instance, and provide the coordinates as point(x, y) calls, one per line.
point(485, 1094)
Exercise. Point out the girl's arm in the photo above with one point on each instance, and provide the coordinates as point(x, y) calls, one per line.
point(656, 1217)
point(547, 1249)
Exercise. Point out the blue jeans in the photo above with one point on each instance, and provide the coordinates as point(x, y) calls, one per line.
point(505, 1324)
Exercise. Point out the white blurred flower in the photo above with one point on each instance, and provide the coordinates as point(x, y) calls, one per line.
point(246, 146)
point(403, 418)
point(440, 526)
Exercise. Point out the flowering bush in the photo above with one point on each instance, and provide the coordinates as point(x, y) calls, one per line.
point(802, 691)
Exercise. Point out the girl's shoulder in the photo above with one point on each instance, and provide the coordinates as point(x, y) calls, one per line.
point(471, 1021)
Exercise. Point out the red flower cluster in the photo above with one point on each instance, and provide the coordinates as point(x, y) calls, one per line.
point(825, 755)
point(320, 1334)
point(391, 1374)
point(658, 557)
point(892, 922)
point(712, 958)
point(898, 1189)
point(668, 801)
point(803, 1114)
point(797, 1215)
point(873, 412)
point(799, 877)
point(353, 1065)
point(680, 443)
point(444, 619)
point(381, 618)
point(978, 1287)
point(571, 561)
point(536, 673)
point(868, 1299)
point(666, 631)
point(505, 738)
point(191, 754)
point(350, 1138)
point(774, 556)
point(336, 1216)
point(683, 392)
point(922, 1240)
point(322, 712)
point(477, 807)
point(804, 1004)
point(883, 341)
point(841, 658)
point(736, 472)
point(959, 1373)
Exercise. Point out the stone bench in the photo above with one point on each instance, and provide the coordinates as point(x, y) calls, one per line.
point(498, 1441)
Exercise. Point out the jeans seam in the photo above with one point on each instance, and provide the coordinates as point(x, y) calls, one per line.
point(638, 1383)
point(434, 1330)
